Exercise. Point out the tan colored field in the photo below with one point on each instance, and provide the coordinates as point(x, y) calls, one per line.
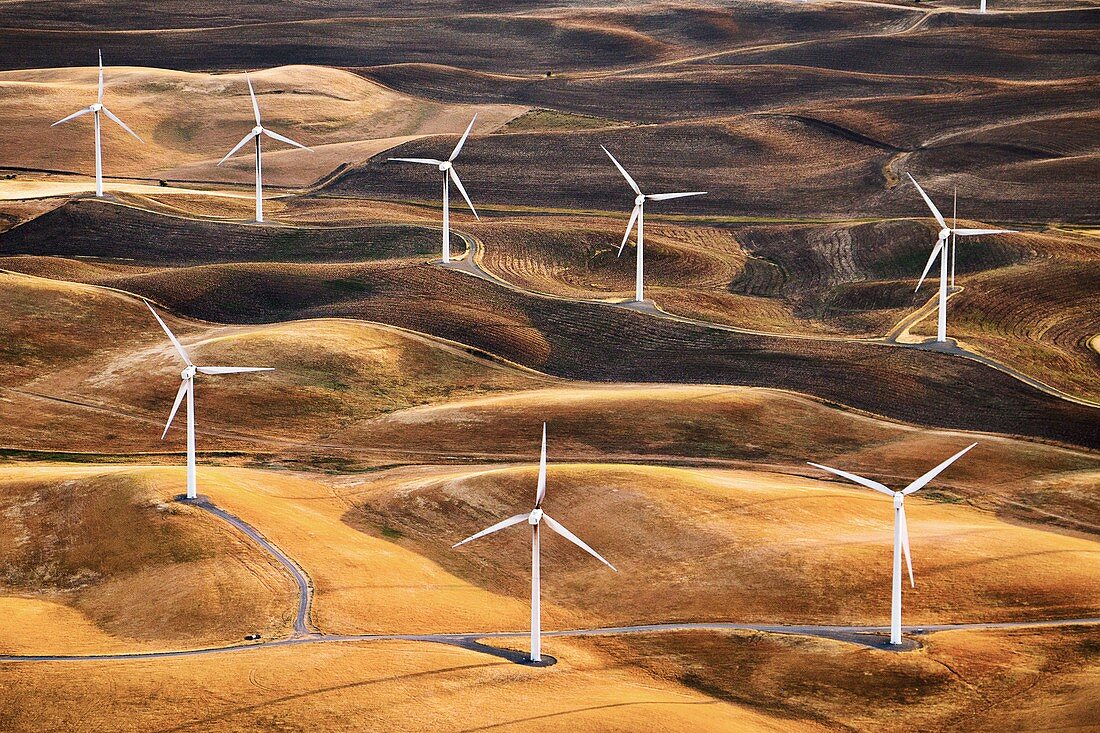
point(374, 686)
point(407, 399)
point(104, 350)
point(190, 120)
point(697, 544)
point(694, 544)
point(364, 582)
point(744, 427)
point(101, 560)
point(961, 680)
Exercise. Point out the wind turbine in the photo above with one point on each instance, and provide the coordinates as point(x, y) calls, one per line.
point(638, 214)
point(940, 248)
point(95, 109)
point(446, 167)
point(256, 132)
point(901, 529)
point(187, 388)
point(536, 518)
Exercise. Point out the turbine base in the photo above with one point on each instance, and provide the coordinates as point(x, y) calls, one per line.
point(546, 661)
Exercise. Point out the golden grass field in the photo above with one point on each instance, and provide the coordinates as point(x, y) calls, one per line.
point(189, 121)
point(406, 402)
point(378, 685)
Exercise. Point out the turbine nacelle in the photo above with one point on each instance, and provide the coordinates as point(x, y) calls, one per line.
point(96, 107)
point(189, 372)
point(944, 234)
point(535, 517)
point(445, 166)
point(639, 199)
point(899, 500)
point(257, 130)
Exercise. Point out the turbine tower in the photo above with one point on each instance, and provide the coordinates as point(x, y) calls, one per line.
point(536, 519)
point(187, 389)
point(446, 167)
point(940, 249)
point(256, 132)
point(901, 529)
point(638, 214)
point(95, 109)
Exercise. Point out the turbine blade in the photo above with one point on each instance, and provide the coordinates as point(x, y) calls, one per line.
point(238, 146)
point(100, 97)
point(622, 170)
point(233, 370)
point(171, 336)
point(976, 232)
point(869, 483)
point(932, 206)
point(928, 265)
point(425, 161)
point(666, 196)
point(923, 480)
point(121, 124)
point(251, 93)
point(284, 139)
point(557, 527)
point(540, 492)
point(462, 190)
point(905, 545)
point(495, 528)
point(73, 116)
point(462, 140)
point(175, 406)
point(629, 228)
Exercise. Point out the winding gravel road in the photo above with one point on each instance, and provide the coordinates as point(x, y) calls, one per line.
point(302, 625)
point(871, 636)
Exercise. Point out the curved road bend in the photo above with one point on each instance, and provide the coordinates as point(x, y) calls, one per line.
point(468, 640)
point(302, 626)
point(865, 635)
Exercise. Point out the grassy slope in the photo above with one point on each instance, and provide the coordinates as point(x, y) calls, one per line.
point(980, 681)
point(190, 120)
point(601, 343)
point(729, 545)
point(105, 553)
point(381, 686)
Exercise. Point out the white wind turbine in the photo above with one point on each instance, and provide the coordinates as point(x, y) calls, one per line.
point(638, 214)
point(536, 518)
point(95, 109)
point(187, 388)
point(940, 248)
point(901, 529)
point(446, 167)
point(256, 132)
